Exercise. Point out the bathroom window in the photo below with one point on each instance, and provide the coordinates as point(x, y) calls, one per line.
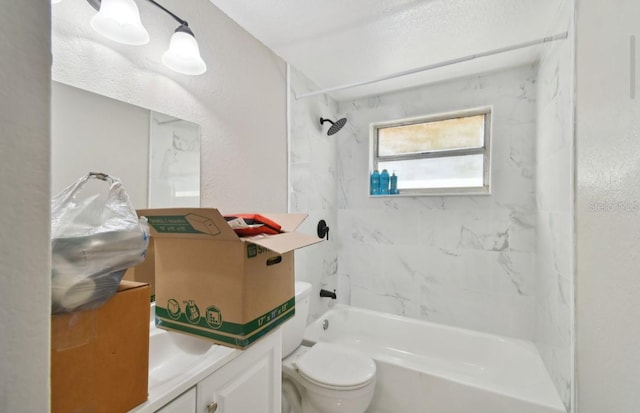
point(445, 154)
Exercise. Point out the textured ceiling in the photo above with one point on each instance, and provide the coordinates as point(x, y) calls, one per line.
point(335, 42)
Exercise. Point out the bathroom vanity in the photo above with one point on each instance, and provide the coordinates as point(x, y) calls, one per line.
point(191, 375)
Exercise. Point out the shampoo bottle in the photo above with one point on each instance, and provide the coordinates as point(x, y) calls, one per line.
point(393, 184)
point(375, 183)
point(384, 182)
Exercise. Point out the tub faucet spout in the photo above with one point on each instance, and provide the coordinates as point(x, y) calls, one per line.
point(329, 294)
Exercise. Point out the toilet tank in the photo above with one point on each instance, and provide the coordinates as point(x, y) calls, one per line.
point(293, 329)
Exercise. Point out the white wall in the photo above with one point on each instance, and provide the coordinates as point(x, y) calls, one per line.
point(607, 207)
point(554, 282)
point(24, 209)
point(92, 133)
point(240, 102)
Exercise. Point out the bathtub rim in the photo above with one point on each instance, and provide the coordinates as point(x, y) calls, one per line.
point(312, 336)
point(405, 319)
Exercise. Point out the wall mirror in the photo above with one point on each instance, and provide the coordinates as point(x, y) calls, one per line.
point(157, 156)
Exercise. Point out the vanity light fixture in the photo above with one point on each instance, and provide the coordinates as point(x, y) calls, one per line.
point(119, 20)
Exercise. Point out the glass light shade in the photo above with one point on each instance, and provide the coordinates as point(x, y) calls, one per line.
point(119, 20)
point(183, 55)
point(55, 1)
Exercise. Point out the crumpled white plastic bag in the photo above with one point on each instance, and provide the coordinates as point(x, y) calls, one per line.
point(95, 237)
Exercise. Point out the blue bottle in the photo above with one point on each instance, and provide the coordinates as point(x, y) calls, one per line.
point(384, 182)
point(374, 188)
point(393, 184)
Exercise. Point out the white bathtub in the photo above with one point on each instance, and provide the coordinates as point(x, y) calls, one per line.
point(425, 367)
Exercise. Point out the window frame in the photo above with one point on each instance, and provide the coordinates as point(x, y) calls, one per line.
point(485, 150)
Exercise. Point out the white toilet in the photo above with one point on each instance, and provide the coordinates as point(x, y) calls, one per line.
point(325, 378)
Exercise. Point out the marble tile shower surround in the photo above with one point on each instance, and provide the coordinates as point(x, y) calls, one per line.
point(554, 296)
point(313, 188)
point(501, 263)
point(466, 261)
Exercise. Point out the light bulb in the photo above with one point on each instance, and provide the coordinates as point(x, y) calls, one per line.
point(183, 55)
point(119, 20)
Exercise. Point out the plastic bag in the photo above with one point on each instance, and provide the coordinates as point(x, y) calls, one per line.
point(93, 241)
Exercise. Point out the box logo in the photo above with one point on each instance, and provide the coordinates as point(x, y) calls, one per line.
point(173, 308)
point(192, 312)
point(254, 250)
point(213, 317)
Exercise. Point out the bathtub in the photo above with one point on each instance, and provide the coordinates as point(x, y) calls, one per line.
point(424, 367)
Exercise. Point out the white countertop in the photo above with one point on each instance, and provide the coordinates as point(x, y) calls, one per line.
point(177, 362)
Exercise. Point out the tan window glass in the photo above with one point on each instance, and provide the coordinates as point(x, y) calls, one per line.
point(458, 133)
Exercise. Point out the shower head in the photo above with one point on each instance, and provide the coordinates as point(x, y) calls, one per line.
point(335, 126)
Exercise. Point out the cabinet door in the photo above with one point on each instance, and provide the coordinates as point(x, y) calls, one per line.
point(249, 383)
point(185, 403)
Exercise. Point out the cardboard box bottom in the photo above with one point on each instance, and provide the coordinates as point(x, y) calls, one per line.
point(228, 333)
point(100, 358)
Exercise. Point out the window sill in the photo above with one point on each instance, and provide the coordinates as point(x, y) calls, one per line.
point(411, 193)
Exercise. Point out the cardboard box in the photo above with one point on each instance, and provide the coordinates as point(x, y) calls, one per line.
point(145, 272)
point(100, 358)
point(215, 285)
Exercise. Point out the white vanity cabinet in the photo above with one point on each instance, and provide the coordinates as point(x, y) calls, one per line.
point(184, 403)
point(249, 383)
point(221, 380)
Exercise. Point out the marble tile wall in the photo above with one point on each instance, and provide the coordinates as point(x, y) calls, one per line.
point(467, 261)
point(554, 284)
point(313, 186)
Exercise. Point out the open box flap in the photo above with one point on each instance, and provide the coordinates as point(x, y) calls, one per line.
point(288, 222)
point(285, 242)
point(129, 285)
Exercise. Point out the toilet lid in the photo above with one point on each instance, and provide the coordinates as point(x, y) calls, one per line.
point(336, 366)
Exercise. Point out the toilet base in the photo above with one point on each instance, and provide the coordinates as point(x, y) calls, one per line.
point(297, 399)
point(300, 394)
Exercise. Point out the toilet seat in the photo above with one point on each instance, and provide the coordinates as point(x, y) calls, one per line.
point(335, 367)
